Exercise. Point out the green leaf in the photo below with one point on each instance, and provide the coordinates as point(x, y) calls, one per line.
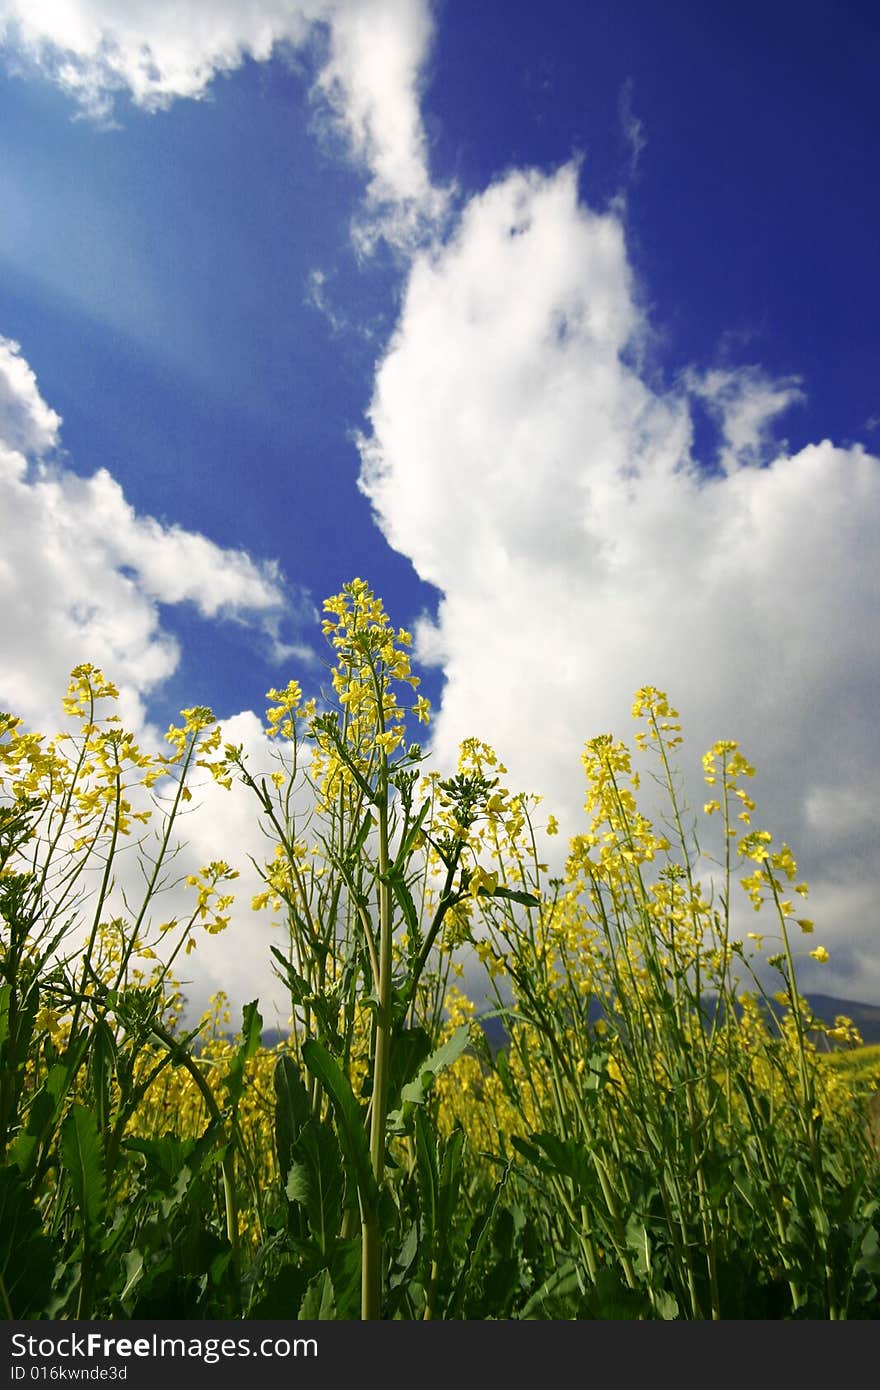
point(296, 1189)
point(639, 1242)
point(405, 1256)
point(134, 1268)
point(5, 996)
point(558, 1285)
point(666, 1305)
point(167, 1158)
point(554, 1156)
point(476, 1240)
point(404, 897)
point(410, 1049)
point(428, 1179)
point(412, 835)
point(514, 895)
point(251, 1028)
point(444, 1056)
point(345, 1270)
point(614, 1301)
point(349, 1121)
point(324, 1008)
point(82, 1160)
point(27, 1262)
point(292, 1108)
point(46, 1108)
point(416, 1091)
point(318, 1304)
point(102, 1065)
point(316, 1180)
point(450, 1178)
point(283, 1297)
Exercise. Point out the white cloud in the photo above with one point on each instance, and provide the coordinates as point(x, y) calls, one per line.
point(744, 404)
point(551, 495)
point(82, 575)
point(28, 424)
point(632, 127)
point(371, 82)
point(158, 51)
point(224, 825)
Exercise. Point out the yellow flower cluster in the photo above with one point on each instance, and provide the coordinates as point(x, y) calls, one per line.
point(371, 660)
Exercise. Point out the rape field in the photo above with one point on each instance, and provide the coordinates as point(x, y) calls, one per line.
point(660, 1136)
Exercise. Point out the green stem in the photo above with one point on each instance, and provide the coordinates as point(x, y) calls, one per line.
point(371, 1269)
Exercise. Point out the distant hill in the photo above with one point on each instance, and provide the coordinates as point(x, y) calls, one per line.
point(866, 1018)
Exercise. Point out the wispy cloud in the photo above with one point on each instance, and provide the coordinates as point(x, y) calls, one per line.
point(632, 127)
point(745, 404)
point(368, 55)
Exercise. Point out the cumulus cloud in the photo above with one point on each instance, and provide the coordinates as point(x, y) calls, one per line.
point(83, 576)
point(371, 53)
point(29, 426)
point(519, 459)
point(223, 824)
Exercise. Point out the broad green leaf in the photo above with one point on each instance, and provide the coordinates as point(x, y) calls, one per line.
point(83, 1161)
point(558, 1285)
point(417, 1090)
point(318, 1304)
point(405, 1256)
point(134, 1268)
point(178, 1192)
point(345, 1269)
point(165, 1155)
point(666, 1305)
point(27, 1261)
point(639, 1242)
point(615, 1301)
point(167, 1158)
point(480, 1229)
point(554, 1156)
point(297, 1189)
point(283, 1297)
point(47, 1107)
point(349, 1122)
point(409, 1052)
point(316, 1180)
point(292, 1108)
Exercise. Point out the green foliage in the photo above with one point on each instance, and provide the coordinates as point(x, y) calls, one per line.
point(630, 1153)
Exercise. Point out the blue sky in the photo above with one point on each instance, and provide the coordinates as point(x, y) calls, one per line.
point(557, 324)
